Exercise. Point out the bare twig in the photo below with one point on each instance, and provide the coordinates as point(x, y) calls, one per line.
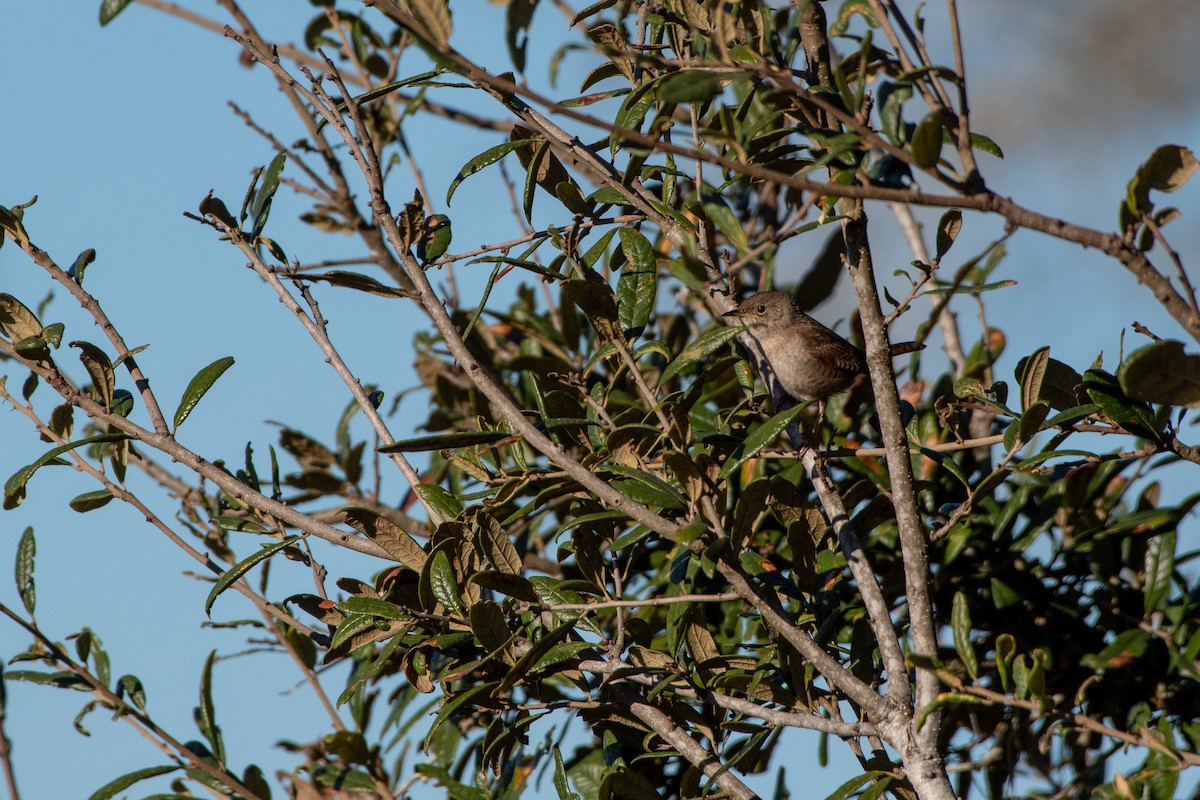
point(124, 495)
point(131, 714)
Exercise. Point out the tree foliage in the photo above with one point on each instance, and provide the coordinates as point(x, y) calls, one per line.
point(611, 529)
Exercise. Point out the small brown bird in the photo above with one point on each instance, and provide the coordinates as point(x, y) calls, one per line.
point(809, 360)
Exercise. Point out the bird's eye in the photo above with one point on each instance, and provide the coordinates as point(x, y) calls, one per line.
point(762, 309)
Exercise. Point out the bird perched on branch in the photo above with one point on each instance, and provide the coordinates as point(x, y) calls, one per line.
point(810, 361)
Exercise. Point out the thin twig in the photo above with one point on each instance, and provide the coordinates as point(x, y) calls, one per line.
point(132, 714)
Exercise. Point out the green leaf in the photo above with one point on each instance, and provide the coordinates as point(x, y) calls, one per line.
point(762, 436)
point(260, 209)
point(850, 787)
point(445, 441)
point(252, 779)
point(206, 715)
point(986, 145)
point(242, 567)
point(131, 686)
point(350, 627)
point(822, 277)
point(489, 626)
point(560, 778)
point(1031, 421)
point(439, 500)
point(483, 160)
point(1031, 376)
point(728, 224)
point(516, 30)
point(434, 16)
point(113, 788)
point(704, 345)
point(960, 623)
point(1133, 415)
point(456, 702)
point(647, 489)
point(1162, 373)
point(927, 141)
point(26, 550)
point(591, 10)
point(215, 207)
point(90, 501)
point(373, 607)
point(689, 86)
point(199, 386)
point(14, 488)
point(638, 285)
point(1159, 566)
point(442, 583)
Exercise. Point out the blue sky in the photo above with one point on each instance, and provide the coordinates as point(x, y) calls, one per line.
point(120, 130)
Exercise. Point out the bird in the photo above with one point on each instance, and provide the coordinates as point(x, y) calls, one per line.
point(810, 362)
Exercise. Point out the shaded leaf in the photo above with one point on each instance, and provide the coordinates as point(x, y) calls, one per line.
point(689, 86)
point(1134, 416)
point(80, 266)
point(215, 207)
point(960, 623)
point(1162, 373)
point(16, 321)
point(497, 547)
point(355, 280)
point(442, 583)
point(638, 285)
point(822, 277)
point(927, 141)
point(762, 436)
point(703, 345)
point(14, 488)
point(206, 713)
point(1159, 566)
point(947, 231)
point(1168, 168)
point(90, 501)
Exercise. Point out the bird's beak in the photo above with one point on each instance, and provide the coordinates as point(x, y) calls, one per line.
point(735, 314)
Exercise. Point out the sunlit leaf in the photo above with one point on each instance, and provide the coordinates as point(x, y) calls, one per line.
point(115, 787)
point(484, 159)
point(199, 386)
point(242, 567)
